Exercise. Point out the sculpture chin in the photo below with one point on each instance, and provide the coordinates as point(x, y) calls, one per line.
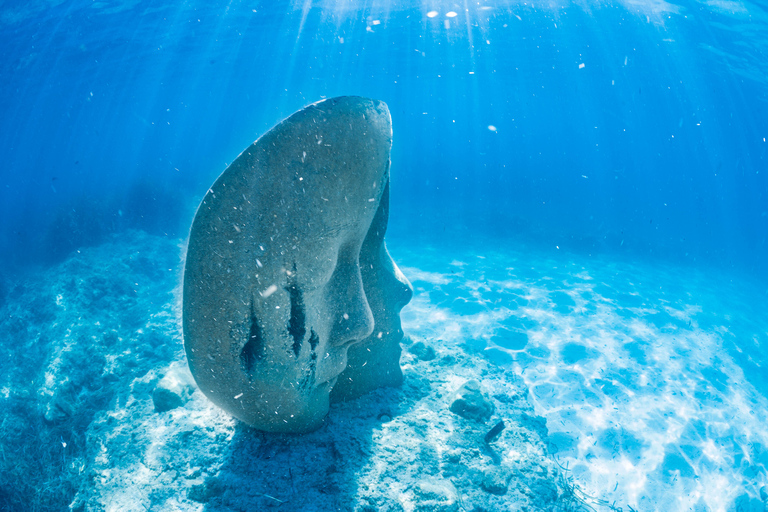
point(308, 418)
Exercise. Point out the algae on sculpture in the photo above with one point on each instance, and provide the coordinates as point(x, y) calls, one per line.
point(286, 270)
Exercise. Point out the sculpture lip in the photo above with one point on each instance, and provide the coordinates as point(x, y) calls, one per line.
point(331, 381)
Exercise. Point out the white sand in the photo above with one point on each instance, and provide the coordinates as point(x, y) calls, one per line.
point(652, 378)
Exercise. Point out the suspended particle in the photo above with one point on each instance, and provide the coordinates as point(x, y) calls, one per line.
point(269, 291)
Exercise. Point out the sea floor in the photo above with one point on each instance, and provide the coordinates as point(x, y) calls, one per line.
point(622, 386)
point(652, 378)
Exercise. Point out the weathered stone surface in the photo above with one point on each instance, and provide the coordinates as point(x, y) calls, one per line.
point(470, 402)
point(173, 390)
point(375, 362)
point(286, 270)
point(495, 481)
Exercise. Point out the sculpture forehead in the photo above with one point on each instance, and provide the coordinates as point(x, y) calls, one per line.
point(295, 195)
point(318, 173)
point(335, 147)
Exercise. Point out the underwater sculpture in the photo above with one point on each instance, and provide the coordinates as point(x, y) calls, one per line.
point(287, 273)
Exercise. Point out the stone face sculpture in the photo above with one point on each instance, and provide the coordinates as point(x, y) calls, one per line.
point(286, 270)
point(375, 362)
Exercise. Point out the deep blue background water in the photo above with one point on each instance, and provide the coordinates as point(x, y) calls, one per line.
point(120, 114)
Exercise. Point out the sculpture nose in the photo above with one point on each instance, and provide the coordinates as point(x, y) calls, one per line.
point(352, 317)
point(403, 288)
point(393, 282)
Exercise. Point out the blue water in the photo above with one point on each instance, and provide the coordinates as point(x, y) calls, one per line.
point(630, 133)
point(655, 146)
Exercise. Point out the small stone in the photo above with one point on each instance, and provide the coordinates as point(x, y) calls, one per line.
point(495, 481)
point(203, 492)
point(470, 403)
point(452, 456)
point(173, 390)
point(434, 495)
point(447, 360)
point(422, 351)
point(58, 408)
point(193, 472)
point(198, 493)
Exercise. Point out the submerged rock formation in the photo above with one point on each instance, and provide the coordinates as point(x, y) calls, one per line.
point(286, 270)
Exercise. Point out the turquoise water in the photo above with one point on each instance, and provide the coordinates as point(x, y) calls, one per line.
point(579, 196)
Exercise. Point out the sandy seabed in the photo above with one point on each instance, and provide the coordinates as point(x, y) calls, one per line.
point(621, 385)
point(651, 377)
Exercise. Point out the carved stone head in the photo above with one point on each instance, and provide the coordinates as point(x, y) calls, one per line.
point(286, 270)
